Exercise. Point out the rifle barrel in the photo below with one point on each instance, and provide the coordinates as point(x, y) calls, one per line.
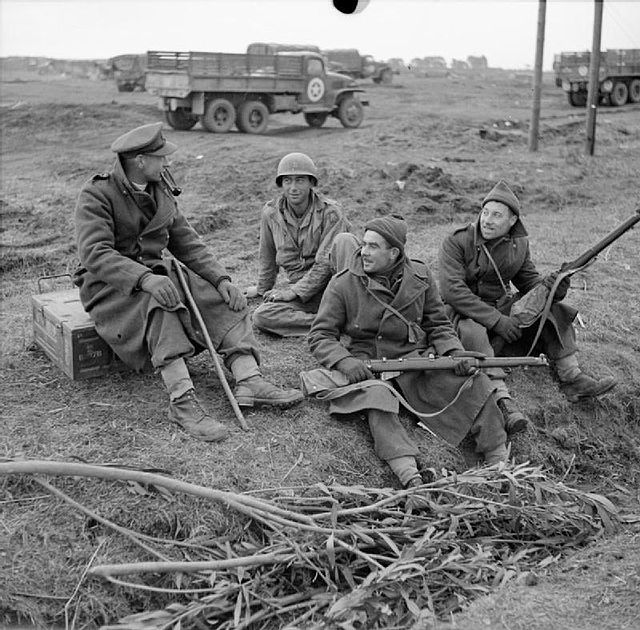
point(584, 258)
point(448, 363)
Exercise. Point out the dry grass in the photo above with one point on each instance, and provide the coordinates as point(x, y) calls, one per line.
point(60, 135)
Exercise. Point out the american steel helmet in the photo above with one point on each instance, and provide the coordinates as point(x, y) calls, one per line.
point(297, 164)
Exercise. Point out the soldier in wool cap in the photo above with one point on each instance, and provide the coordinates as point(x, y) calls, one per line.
point(478, 264)
point(384, 305)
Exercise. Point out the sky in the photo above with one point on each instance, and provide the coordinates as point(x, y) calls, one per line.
point(502, 30)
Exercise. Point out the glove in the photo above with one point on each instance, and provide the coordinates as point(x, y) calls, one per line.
point(354, 369)
point(162, 289)
point(563, 287)
point(508, 329)
point(232, 295)
point(464, 367)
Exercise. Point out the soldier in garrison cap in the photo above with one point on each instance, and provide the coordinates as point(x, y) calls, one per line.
point(297, 234)
point(125, 220)
point(478, 263)
point(384, 305)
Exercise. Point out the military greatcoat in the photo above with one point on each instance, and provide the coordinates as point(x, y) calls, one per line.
point(121, 234)
point(353, 304)
point(470, 286)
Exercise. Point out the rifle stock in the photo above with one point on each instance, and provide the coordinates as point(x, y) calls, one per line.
point(449, 363)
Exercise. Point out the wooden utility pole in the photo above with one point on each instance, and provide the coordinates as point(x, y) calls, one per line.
point(593, 94)
point(537, 78)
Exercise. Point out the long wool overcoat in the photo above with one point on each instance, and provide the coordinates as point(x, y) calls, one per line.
point(470, 285)
point(349, 307)
point(121, 235)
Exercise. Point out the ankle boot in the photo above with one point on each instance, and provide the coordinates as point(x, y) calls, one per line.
point(585, 386)
point(514, 420)
point(189, 414)
point(256, 390)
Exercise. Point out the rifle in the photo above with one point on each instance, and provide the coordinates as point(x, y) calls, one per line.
point(409, 364)
point(537, 303)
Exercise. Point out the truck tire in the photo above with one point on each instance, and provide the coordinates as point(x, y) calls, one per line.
point(180, 119)
point(253, 117)
point(350, 112)
point(634, 91)
point(219, 116)
point(577, 99)
point(386, 76)
point(315, 119)
point(619, 94)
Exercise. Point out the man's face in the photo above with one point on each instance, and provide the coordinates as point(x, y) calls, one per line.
point(151, 166)
point(496, 219)
point(377, 255)
point(296, 189)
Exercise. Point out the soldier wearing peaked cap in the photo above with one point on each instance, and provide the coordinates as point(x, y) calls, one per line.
point(125, 220)
point(478, 264)
point(297, 234)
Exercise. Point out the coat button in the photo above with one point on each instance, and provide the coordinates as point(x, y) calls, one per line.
point(379, 336)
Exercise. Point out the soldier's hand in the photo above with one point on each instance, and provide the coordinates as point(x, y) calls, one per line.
point(464, 365)
point(354, 369)
point(232, 295)
point(508, 329)
point(563, 286)
point(162, 289)
point(280, 295)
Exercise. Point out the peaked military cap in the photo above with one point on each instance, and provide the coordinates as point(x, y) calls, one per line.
point(502, 193)
point(145, 140)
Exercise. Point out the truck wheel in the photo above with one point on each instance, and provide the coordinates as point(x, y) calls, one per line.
point(619, 94)
point(577, 99)
point(377, 79)
point(181, 119)
point(219, 116)
point(253, 117)
point(634, 91)
point(350, 112)
point(315, 119)
point(386, 76)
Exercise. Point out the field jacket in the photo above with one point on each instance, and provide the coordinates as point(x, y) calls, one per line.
point(299, 246)
point(121, 234)
point(353, 304)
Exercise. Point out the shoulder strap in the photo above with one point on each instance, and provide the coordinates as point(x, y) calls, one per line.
point(495, 268)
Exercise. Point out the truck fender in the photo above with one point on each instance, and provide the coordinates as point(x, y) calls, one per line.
point(340, 94)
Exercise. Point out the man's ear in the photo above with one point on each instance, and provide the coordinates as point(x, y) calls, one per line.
point(513, 219)
point(396, 255)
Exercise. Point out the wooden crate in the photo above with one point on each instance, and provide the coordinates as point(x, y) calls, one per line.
point(68, 336)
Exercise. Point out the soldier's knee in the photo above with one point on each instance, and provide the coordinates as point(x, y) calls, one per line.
point(472, 333)
point(343, 247)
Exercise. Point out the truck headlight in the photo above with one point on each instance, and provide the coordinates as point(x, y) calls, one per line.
point(607, 86)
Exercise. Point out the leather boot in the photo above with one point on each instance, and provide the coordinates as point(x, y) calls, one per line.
point(189, 414)
point(514, 420)
point(258, 391)
point(584, 386)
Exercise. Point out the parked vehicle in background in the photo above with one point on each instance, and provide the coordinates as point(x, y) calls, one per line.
point(618, 78)
point(223, 89)
point(397, 65)
point(129, 72)
point(429, 67)
point(350, 62)
point(261, 48)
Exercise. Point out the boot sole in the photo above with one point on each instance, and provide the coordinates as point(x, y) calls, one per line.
point(577, 397)
point(263, 402)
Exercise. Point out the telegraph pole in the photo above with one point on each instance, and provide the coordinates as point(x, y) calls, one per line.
point(537, 78)
point(593, 94)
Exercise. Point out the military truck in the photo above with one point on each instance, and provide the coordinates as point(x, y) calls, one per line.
point(618, 79)
point(129, 72)
point(262, 48)
point(350, 62)
point(223, 89)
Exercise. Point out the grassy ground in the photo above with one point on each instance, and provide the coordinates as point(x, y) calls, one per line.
point(56, 134)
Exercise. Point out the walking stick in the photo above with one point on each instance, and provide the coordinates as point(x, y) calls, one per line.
point(212, 351)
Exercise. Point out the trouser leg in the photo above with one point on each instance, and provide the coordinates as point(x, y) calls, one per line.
point(285, 319)
point(344, 246)
point(240, 342)
point(475, 337)
point(390, 439)
point(176, 378)
point(488, 427)
point(166, 338)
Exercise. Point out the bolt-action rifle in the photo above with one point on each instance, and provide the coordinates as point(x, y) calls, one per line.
point(409, 364)
point(536, 304)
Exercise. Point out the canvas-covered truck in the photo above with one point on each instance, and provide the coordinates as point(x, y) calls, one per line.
point(619, 76)
point(350, 62)
point(223, 89)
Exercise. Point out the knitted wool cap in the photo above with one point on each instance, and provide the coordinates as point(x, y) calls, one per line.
point(392, 227)
point(502, 193)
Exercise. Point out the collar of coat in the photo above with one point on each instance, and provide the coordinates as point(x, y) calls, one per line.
point(413, 270)
point(316, 202)
point(124, 183)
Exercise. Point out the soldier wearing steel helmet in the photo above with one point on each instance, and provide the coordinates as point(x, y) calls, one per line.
point(297, 234)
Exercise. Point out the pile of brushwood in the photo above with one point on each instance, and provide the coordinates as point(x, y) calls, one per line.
point(346, 556)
